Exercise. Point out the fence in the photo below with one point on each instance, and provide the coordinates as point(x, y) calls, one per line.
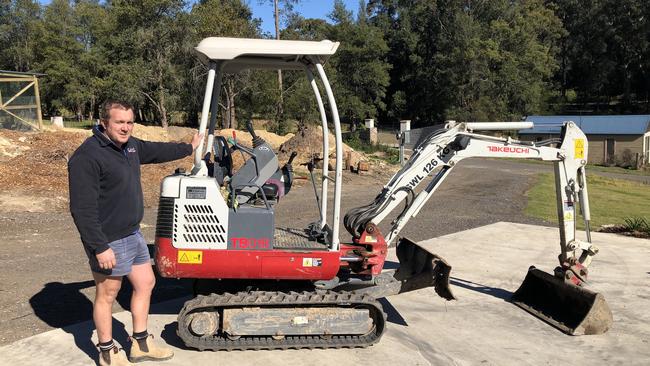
point(20, 102)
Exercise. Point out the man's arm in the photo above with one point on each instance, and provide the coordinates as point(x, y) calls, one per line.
point(83, 178)
point(162, 152)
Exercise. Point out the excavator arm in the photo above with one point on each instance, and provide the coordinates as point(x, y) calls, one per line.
point(431, 162)
point(434, 158)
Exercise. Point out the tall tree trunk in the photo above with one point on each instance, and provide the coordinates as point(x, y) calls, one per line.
point(91, 112)
point(231, 110)
point(230, 97)
point(627, 98)
point(161, 108)
point(225, 116)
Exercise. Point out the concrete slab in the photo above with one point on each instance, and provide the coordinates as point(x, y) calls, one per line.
point(480, 328)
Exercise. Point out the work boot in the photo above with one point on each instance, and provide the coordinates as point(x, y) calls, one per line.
point(147, 350)
point(113, 358)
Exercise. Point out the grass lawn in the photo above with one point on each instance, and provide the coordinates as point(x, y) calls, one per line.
point(599, 168)
point(611, 200)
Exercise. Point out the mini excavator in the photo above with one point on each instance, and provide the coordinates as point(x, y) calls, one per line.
point(283, 287)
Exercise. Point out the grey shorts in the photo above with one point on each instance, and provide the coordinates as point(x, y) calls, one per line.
point(129, 251)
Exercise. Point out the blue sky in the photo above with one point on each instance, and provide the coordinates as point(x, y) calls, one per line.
point(318, 9)
point(307, 8)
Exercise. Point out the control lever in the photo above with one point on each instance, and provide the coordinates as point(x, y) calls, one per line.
point(310, 166)
point(257, 141)
point(287, 173)
point(293, 156)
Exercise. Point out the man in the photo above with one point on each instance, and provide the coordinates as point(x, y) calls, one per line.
point(106, 203)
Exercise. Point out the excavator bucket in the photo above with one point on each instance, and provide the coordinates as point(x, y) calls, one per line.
point(419, 268)
point(572, 309)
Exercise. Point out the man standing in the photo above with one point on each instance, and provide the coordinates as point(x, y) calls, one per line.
point(106, 203)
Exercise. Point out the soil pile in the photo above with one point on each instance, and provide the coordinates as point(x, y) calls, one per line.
point(36, 179)
point(308, 142)
point(34, 174)
point(34, 165)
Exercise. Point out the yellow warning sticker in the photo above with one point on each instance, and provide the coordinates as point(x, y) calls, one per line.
point(579, 148)
point(370, 239)
point(307, 262)
point(568, 215)
point(190, 256)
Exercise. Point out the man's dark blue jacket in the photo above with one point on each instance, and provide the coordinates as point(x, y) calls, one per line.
point(105, 190)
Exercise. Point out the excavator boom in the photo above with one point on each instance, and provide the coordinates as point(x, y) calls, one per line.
point(559, 299)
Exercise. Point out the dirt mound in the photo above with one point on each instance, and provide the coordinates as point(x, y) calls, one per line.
point(34, 165)
point(12, 144)
point(307, 143)
point(34, 174)
point(39, 170)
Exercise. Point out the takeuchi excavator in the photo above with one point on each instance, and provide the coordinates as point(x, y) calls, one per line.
point(285, 287)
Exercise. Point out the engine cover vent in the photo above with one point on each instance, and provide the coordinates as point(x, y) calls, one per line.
point(197, 225)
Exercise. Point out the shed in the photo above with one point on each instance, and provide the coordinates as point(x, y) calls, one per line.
point(611, 138)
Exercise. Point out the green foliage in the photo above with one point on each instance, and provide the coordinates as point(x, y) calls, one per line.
point(604, 55)
point(20, 29)
point(361, 76)
point(460, 60)
point(637, 224)
point(384, 152)
point(399, 59)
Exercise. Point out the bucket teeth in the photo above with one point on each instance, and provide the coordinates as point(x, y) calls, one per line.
point(572, 309)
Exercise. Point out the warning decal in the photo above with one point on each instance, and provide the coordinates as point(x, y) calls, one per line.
point(370, 239)
point(579, 148)
point(190, 256)
point(312, 262)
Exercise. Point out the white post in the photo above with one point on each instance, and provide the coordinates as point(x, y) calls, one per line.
point(339, 157)
point(198, 154)
point(405, 137)
point(326, 148)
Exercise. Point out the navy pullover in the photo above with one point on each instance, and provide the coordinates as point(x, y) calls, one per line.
point(106, 199)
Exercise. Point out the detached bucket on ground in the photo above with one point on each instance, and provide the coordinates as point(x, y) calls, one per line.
point(572, 309)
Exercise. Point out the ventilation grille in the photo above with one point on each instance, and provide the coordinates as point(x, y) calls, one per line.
point(165, 219)
point(200, 225)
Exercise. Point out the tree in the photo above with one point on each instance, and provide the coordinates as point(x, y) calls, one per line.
point(510, 50)
point(361, 76)
point(20, 27)
point(146, 47)
point(281, 8)
point(604, 53)
point(467, 60)
point(67, 54)
point(231, 18)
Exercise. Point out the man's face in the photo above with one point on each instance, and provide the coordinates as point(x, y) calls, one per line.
point(119, 126)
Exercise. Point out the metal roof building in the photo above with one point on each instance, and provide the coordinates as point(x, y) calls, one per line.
point(600, 125)
point(612, 139)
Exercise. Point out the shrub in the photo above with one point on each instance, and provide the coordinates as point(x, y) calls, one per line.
point(626, 160)
point(637, 224)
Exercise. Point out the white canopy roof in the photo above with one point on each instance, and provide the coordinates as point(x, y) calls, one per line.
point(280, 51)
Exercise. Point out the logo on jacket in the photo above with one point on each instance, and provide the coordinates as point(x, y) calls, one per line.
point(130, 149)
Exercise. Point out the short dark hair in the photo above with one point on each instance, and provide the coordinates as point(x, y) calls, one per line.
point(105, 109)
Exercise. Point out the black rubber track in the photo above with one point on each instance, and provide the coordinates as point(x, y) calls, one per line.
point(221, 342)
